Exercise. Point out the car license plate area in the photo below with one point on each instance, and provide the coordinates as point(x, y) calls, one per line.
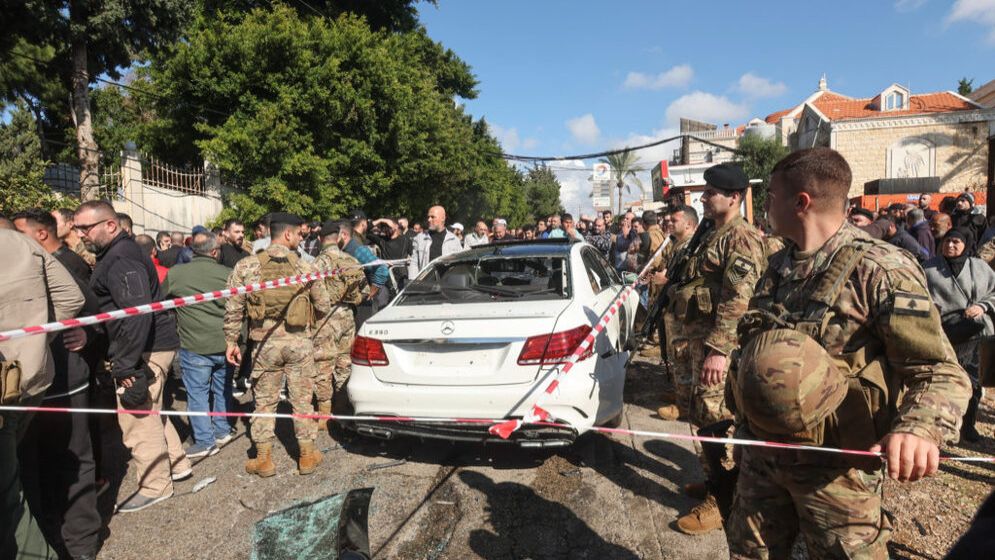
point(444, 358)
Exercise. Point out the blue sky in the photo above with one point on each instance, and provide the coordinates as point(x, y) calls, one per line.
point(558, 78)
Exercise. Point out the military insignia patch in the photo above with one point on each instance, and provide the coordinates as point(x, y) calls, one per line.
point(911, 304)
point(740, 268)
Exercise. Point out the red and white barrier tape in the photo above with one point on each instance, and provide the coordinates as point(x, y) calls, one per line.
point(536, 412)
point(415, 419)
point(157, 306)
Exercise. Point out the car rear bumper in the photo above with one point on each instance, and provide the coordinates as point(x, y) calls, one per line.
point(528, 436)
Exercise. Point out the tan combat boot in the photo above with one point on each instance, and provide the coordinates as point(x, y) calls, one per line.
point(324, 407)
point(703, 518)
point(310, 458)
point(262, 465)
point(669, 412)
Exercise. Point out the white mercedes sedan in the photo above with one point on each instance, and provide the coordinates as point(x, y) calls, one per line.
point(480, 333)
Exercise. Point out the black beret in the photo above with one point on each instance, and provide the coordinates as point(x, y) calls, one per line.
point(727, 176)
point(863, 212)
point(357, 215)
point(285, 218)
point(331, 227)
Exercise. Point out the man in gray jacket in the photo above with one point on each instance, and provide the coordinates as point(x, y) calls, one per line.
point(435, 242)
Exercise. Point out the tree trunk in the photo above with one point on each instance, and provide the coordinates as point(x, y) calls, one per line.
point(620, 186)
point(89, 157)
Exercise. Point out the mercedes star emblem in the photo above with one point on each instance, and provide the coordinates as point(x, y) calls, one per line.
point(448, 327)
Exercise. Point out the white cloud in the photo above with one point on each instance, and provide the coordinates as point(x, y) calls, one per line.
point(509, 138)
point(584, 129)
point(678, 76)
point(978, 11)
point(702, 106)
point(752, 85)
point(574, 175)
point(908, 5)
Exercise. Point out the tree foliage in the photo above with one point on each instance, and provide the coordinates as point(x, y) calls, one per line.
point(758, 156)
point(542, 190)
point(965, 86)
point(317, 116)
point(22, 166)
point(624, 166)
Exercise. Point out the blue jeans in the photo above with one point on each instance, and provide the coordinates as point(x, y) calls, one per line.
point(206, 376)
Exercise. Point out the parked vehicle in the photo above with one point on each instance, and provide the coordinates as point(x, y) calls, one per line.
point(477, 333)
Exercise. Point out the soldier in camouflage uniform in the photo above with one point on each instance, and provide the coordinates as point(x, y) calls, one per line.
point(280, 322)
point(860, 362)
point(708, 303)
point(684, 220)
point(986, 252)
point(334, 333)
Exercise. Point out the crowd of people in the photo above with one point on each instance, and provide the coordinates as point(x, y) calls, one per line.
point(816, 280)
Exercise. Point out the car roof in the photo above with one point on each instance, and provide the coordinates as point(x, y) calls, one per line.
point(538, 248)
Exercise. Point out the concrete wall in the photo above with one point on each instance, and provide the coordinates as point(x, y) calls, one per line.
point(155, 208)
point(961, 152)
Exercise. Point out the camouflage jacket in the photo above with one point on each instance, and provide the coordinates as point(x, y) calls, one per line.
point(81, 250)
point(247, 271)
point(986, 252)
point(345, 288)
point(720, 279)
point(885, 310)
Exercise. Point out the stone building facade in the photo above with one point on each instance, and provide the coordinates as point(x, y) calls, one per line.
point(942, 137)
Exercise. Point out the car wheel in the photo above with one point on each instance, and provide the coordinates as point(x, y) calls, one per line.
point(616, 421)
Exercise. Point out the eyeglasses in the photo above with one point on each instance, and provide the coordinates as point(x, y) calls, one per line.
point(85, 230)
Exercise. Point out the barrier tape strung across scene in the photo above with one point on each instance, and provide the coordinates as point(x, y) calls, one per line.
point(536, 412)
point(415, 419)
point(163, 305)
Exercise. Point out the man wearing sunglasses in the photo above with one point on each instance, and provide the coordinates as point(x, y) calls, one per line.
point(141, 351)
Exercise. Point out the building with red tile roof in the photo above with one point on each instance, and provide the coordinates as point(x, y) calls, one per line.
point(897, 139)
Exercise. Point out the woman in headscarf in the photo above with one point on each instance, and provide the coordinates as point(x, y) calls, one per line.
point(963, 288)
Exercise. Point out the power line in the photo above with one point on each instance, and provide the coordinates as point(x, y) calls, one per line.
point(616, 152)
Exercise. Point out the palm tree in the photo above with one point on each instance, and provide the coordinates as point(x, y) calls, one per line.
point(624, 166)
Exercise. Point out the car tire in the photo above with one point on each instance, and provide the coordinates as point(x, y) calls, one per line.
point(615, 422)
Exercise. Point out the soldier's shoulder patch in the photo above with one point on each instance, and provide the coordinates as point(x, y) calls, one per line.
point(908, 303)
point(740, 268)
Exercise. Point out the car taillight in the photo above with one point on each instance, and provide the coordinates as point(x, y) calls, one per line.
point(549, 349)
point(368, 352)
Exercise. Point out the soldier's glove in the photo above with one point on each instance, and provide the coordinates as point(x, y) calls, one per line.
point(137, 395)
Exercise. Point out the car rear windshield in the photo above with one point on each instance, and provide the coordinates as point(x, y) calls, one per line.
point(490, 278)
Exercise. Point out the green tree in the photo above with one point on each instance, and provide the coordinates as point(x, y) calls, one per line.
point(965, 86)
point(758, 156)
point(22, 166)
point(317, 116)
point(624, 166)
point(542, 190)
point(70, 43)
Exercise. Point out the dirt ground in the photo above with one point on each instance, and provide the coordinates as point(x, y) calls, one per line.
point(605, 497)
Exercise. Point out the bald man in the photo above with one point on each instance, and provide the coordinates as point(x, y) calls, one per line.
point(434, 242)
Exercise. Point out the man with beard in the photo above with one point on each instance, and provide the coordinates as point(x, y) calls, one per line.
point(141, 350)
point(709, 302)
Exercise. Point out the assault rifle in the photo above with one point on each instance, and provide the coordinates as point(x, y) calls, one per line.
point(675, 276)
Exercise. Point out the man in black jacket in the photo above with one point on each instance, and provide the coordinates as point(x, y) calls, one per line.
point(141, 349)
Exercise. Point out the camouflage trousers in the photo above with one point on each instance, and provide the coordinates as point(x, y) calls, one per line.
point(706, 406)
point(277, 361)
point(836, 509)
point(679, 364)
point(332, 360)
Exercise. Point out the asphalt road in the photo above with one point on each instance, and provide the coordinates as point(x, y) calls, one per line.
point(605, 497)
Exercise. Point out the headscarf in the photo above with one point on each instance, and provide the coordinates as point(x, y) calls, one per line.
point(956, 264)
